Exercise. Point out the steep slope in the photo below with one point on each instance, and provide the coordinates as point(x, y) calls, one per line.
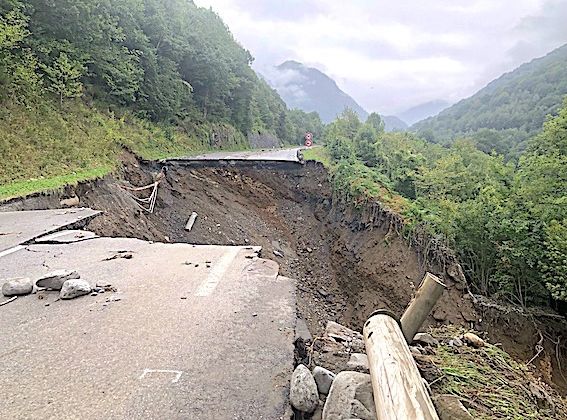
point(310, 90)
point(423, 111)
point(507, 111)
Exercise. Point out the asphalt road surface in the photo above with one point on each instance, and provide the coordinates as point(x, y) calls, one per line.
point(268, 155)
point(190, 332)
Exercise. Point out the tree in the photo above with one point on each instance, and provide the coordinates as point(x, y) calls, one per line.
point(376, 121)
point(64, 77)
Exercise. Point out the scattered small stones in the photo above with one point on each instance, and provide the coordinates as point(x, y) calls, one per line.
point(303, 393)
point(426, 339)
point(74, 288)
point(55, 279)
point(120, 254)
point(323, 378)
point(278, 253)
point(18, 286)
point(473, 340)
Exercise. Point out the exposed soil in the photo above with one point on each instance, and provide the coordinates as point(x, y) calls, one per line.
point(347, 262)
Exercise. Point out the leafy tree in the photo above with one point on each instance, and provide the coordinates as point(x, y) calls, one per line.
point(64, 77)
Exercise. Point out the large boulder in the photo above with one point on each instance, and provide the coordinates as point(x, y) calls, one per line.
point(449, 407)
point(350, 398)
point(17, 287)
point(55, 279)
point(303, 393)
point(74, 288)
point(323, 378)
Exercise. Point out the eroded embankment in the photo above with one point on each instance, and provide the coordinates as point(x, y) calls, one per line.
point(348, 262)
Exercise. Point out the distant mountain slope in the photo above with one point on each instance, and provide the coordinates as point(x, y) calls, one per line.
point(310, 90)
point(423, 111)
point(507, 111)
point(393, 123)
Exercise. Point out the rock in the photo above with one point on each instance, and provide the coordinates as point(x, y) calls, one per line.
point(17, 287)
point(473, 340)
point(323, 292)
point(543, 399)
point(278, 254)
point(415, 350)
point(456, 342)
point(350, 397)
point(74, 288)
point(450, 407)
point(426, 338)
point(440, 315)
point(358, 362)
point(323, 378)
point(70, 202)
point(302, 331)
point(55, 279)
point(303, 393)
point(351, 339)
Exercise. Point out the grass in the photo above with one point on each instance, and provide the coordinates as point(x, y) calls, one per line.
point(30, 186)
point(318, 154)
point(488, 381)
point(45, 147)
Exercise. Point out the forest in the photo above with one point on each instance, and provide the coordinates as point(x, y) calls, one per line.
point(507, 221)
point(504, 115)
point(80, 79)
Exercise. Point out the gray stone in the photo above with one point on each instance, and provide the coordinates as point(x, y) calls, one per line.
point(303, 393)
point(473, 340)
point(74, 288)
point(415, 350)
point(350, 397)
point(55, 279)
point(450, 407)
point(17, 287)
point(323, 378)
point(358, 362)
point(351, 339)
point(302, 331)
point(425, 338)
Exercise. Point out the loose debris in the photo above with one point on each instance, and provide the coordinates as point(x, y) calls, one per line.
point(486, 380)
point(18, 286)
point(55, 279)
point(127, 255)
point(74, 288)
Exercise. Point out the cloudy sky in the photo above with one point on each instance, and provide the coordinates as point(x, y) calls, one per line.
point(393, 54)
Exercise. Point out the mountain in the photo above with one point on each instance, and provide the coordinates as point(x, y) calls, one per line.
point(423, 111)
point(508, 111)
point(393, 123)
point(309, 89)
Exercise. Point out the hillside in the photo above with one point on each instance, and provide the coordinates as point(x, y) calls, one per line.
point(309, 89)
point(507, 111)
point(81, 80)
point(423, 111)
point(393, 123)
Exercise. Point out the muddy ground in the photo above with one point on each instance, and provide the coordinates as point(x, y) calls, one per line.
point(345, 266)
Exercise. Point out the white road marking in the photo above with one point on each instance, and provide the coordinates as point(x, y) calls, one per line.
point(11, 250)
point(177, 373)
point(54, 236)
point(213, 279)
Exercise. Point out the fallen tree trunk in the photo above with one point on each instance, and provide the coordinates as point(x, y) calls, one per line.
point(429, 292)
point(399, 391)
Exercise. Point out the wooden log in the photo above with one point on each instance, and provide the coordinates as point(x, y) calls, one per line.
point(428, 293)
point(191, 222)
point(399, 391)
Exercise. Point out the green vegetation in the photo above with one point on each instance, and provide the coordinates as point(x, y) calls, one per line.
point(504, 115)
point(81, 79)
point(508, 223)
point(489, 382)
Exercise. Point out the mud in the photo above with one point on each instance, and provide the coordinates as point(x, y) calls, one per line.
point(348, 262)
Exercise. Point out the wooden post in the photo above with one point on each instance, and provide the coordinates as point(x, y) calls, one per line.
point(399, 391)
point(428, 293)
point(191, 222)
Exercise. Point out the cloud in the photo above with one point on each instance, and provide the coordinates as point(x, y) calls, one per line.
point(393, 55)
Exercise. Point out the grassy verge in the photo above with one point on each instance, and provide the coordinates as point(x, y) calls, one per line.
point(318, 154)
point(44, 147)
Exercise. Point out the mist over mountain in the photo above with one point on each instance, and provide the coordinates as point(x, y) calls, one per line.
point(423, 111)
point(393, 123)
point(309, 89)
point(508, 111)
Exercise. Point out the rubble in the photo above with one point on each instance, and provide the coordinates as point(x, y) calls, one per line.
point(350, 397)
point(303, 390)
point(55, 279)
point(17, 287)
point(323, 378)
point(74, 288)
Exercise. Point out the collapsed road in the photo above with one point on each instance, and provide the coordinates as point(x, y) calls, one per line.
point(199, 323)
